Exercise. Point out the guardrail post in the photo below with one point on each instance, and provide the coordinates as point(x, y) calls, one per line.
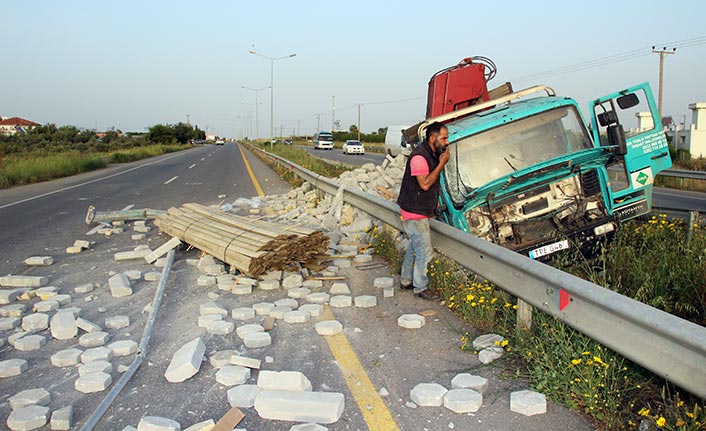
point(524, 315)
point(693, 220)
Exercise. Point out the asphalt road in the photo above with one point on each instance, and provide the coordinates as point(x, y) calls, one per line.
point(45, 218)
point(337, 155)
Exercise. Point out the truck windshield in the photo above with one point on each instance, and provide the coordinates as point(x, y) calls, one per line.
point(325, 137)
point(491, 154)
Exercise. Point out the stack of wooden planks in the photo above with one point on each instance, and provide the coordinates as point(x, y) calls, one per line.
point(250, 245)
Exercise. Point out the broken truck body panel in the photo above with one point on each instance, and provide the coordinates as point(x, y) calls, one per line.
point(529, 175)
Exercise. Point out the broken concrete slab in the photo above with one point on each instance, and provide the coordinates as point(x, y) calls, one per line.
point(279, 312)
point(93, 339)
point(231, 375)
point(244, 361)
point(317, 407)
point(298, 292)
point(28, 418)
point(30, 397)
point(243, 330)
point(314, 310)
point(489, 354)
point(119, 285)
point(156, 423)
point(242, 313)
point(30, 342)
point(463, 400)
point(255, 340)
point(95, 367)
point(63, 325)
point(206, 425)
point(241, 289)
point(84, 288)
point(411, 321)
point(469, 381)
point(62, 419)
point(133, 274)
point(39, 261)
point(291, 281)
point(206, 280)
point(220, 327)
point(528, 403)
point(268, 284)
point(23, 281)
point(339, 288)
point(366, 301)
point(263, 308)
point(388, 292)
point(340, 301)
point(283, 381)
point(46, 306)
point(96, 354)
point(8, 296)
point(153, 276)
point(12, 367)
point(163, 249)
point(186, 361)
point(213, 307)
point(328, 327)
point(207, 319)
point(313, 284)
point(243, 396)
point(66, 358)
point(7, 323)
point(87, 325)
point(117, 322)
point(35, 322)
point(428, 394)
point(487, 340)
point(222, 358)
point(241, 279)
point(131, 255)
point(123, 347)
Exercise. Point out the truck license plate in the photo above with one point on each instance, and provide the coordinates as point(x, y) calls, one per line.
point(549, 249)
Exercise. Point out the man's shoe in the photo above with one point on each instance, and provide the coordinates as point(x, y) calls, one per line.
point(409, 286)
point(427, 294)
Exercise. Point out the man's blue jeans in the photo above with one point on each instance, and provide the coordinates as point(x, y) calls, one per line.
point(418, 254)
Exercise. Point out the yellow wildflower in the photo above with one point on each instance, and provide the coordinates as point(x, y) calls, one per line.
point(505, 343)
point(661, 421)
point(644, 412)
point(576, 361)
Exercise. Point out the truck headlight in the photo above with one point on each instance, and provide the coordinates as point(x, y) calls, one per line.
point(603, 229)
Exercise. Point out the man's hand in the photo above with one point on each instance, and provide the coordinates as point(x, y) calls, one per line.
point(444, 157)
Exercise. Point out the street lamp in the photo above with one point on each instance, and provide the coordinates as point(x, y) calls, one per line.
point(272, 88)
point(249, 116)
point(257, 110)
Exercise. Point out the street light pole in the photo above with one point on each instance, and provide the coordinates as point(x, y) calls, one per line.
point(272, 89)
point(257, 109)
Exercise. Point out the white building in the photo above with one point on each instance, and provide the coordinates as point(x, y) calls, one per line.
point(692, 139)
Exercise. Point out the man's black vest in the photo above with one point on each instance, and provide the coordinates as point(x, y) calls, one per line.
point(412, 198)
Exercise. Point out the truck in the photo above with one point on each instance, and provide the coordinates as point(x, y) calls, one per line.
point(323, 140)
point(528, 173)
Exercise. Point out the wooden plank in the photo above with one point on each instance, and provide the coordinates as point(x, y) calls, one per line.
point(229, 420)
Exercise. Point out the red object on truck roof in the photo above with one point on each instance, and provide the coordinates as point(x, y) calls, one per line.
point(457, 87)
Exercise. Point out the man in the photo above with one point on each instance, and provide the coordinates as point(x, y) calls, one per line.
point(418, 198)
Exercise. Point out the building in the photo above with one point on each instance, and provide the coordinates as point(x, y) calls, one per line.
point(692, 139)
point(10, 126)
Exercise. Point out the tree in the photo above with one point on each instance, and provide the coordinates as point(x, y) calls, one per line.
point(382, 131)
point(353, 128)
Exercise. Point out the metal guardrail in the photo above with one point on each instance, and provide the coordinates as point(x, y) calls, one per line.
point(669, 346)
point(683, 173)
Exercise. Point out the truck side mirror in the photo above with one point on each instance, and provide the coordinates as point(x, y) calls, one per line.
point(628, 101)
point(616, 136)
point(607, 118)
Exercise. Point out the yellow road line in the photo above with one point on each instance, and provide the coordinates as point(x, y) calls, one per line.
point(258, 189)
point(374, 410)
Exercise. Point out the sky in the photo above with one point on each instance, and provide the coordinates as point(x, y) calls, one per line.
point(132, 64)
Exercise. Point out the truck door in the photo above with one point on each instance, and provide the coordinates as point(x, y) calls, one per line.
point(631, 112)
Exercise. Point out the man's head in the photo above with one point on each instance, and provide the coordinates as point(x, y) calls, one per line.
point(438, 137)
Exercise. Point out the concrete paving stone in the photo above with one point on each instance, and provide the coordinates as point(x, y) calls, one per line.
point(142, 229)
point(63, 325)
point(231, 375)
point(268, 285)
point(93, 339)
point(220, 327)
point(243, 396)
point(138, 236)
point(212, 307)
point(298, 292)
point(39, 261)
point(62, 419)
point(279, 312)
point(46, 292)
point(297, 316)
point(119, 286)
point(82, 243)
point(283, 381)
point(46, 306)
point(428, 394)
point(153, 276)
point(241, 279)
point(30, 342)
point(469, 381)
point(363, 258)
point(342, 263)
point(206, 425)
point(23, 281)
point(93, 382)
point(287, 302)
point(133, 274)
point(291, 281)
point(160, 263)
point(314, 310)
point(241, 289)
point(263, 308)
point(28, 418)
point(13, 367)
point(328, 327)
point(95, 367)
point(12, 338)
point(204, 261)
point(313, 284)
point(255, 340)
point(30, 397)
point(215, 269)
point(411, 321)
point(13, 310)
point(163, 249)
point(339, 288)
point(35, 322)
point(332, 270)
point(87, 325)
point(244, 361)
point(207, 319)
point(186, 361)
point(96, 354)
point(243, 330)
point(308, 427)
point(206, 280)
point(318, 298)
point(117, 322)
point(317, 407)
point(340, 301)
point(84, 288)
point(366, 301)
point(66, 358)
point(222, 358)
point(242, 313)
point(272, 275)
point(123, 347)
point(7, 323)
point(487, 340)
point(489, 354)
point(76, 311)
point(463, 400)
point(225, 278)
point(528, 403)
point(8, 296)
point(131, 255)
point(388, 292)
point(382, 282)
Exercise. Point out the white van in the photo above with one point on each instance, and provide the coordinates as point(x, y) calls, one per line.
point(323, 141)
point(395, 142)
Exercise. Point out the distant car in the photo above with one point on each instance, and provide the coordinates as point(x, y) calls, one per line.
point(288, 142)
point(220, 142)
point(353, 147)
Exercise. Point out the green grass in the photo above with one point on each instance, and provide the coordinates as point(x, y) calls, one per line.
point(303, 159)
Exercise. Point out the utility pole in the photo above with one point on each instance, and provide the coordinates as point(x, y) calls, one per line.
point(188, 123)
point(359, 105)
point(662, 52)
point(318, 122)
point(333, 113)
point(281, 131)
point(299, 122)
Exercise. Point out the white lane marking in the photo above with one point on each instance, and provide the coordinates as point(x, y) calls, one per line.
point(100, 226)
point(203, 159)
point(191, 166)
point(172, 179)
point(87, 182)
point(128, 207)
